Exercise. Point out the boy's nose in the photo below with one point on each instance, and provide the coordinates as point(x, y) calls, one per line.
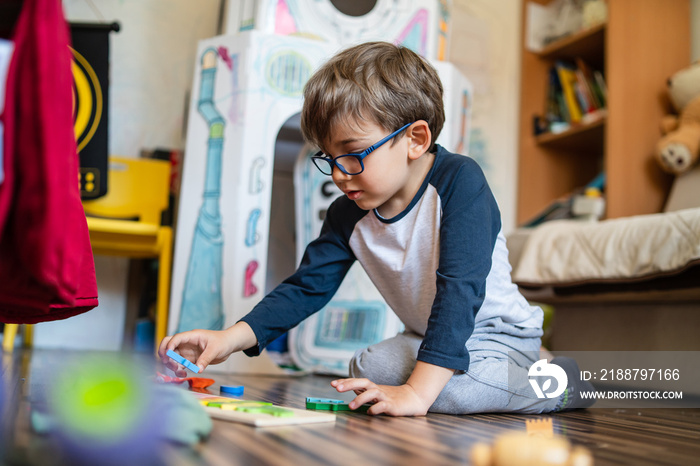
point(339, 175)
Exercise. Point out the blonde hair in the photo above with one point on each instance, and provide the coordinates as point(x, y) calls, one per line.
point(375, 82)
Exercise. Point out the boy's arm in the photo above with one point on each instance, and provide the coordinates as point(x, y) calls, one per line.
point(469, 229)
point(414, 398)
point(325, 263)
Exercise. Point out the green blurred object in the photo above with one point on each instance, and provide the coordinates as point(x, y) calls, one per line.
point(107, 399)
point(99, 400)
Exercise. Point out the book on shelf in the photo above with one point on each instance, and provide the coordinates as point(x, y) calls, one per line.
point(567, 78)
point(576, 94)
point(601, 87)
point(587, 80)
point(556, 107)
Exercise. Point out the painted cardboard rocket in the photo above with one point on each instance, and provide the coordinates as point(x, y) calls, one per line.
point(421, 25)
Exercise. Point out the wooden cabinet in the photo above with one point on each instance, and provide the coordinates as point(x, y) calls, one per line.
point(640, 46)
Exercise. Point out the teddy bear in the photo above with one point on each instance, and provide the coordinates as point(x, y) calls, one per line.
point(679, 148)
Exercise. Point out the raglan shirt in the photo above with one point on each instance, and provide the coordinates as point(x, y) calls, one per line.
point(441, 265)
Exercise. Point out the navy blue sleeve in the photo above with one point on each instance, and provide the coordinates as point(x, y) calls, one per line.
point(469, 228)
point(325, 263)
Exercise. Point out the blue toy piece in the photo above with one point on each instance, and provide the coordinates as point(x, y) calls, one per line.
point(179, 359)
point(323, 400)
point(235, 390)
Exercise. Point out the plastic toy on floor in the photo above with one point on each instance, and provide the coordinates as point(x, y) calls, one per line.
point(523, 449)
point(180, 360)
point(539, 427)
point(324, 404)
point(193, 382)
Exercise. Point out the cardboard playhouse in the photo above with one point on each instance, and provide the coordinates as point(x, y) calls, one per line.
point(421, 25)
point(251, 199)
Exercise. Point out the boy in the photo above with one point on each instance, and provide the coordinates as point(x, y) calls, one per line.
point(426, 228)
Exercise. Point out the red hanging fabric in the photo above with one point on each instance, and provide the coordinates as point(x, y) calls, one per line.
point(47, 270)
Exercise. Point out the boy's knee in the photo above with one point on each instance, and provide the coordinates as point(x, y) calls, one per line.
point(362, 364)
point(379, 367)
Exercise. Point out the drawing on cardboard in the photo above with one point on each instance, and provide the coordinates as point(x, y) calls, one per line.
point(422, 25)
point(252, 235)
point(463, 135)
point(287, 72)
point(255, 184)
point(249, 288)
point(284, 21)
point(415, 34)
point(202, 305)
point(443, 30)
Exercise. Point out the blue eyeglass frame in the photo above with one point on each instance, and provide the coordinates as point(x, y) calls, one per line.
point(359, 156)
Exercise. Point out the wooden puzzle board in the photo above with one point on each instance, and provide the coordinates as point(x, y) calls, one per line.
point(300, 416)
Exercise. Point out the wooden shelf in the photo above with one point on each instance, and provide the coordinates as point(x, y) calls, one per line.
point(637, 55)
point(586, 44)
point(583, 137)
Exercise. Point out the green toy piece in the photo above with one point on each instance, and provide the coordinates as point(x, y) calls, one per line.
point(324, 404)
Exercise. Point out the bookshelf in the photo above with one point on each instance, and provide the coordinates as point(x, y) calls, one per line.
point(636, 53)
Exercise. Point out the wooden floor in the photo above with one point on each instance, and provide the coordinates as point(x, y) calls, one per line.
point(639, 436)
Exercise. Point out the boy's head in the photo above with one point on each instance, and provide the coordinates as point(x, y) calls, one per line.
point(375, 82)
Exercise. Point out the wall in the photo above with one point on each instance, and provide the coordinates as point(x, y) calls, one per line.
point(486, 48)
point(152, 59)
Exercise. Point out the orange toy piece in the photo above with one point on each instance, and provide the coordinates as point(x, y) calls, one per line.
point(194, 382)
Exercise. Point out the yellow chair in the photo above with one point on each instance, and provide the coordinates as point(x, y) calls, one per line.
point(126, 222)
point(9, 334)
point(138, 189)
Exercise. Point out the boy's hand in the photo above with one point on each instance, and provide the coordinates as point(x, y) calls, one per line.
point(202, 347)
point(394, 401)
point(413, 398)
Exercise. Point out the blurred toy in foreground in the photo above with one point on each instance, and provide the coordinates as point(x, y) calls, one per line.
point(539, 428)
point(103, 411)
point(521, 449)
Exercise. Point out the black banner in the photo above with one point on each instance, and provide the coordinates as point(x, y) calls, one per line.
point(91, 104)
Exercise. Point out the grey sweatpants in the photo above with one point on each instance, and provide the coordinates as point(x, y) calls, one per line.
point(497, 379)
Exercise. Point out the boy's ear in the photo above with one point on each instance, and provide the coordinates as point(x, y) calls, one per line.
point(419, 136)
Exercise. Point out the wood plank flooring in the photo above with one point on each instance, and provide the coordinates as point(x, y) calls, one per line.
point(614, 436)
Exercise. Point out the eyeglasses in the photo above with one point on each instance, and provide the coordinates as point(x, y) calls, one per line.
point(350, 164)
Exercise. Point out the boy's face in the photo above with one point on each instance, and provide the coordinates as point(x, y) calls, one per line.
point(383, 185)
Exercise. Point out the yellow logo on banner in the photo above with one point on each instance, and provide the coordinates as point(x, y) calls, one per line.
point(87, 100)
